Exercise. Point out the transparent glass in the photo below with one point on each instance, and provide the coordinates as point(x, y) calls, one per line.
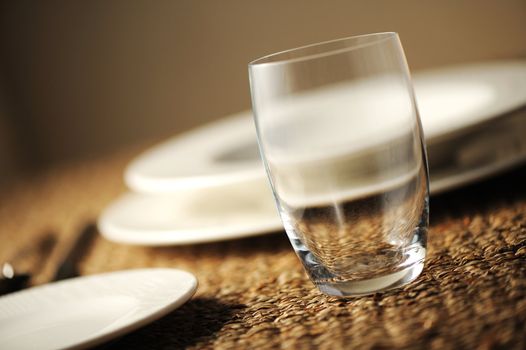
point(341, 140)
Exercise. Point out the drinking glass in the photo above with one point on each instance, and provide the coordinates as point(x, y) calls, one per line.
point(340, 137)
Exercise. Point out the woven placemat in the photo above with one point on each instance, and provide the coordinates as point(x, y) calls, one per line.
point(253, 293)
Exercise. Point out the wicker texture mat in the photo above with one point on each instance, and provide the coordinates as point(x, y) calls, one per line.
point(253, 292)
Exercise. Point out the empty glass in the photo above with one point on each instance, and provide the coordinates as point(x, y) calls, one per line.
point(340, 137)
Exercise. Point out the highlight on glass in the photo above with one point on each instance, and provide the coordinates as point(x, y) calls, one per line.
point(340, 136)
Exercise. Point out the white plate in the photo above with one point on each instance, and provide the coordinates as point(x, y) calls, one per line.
point(246, 209)
point(85, 311)
point(477, 152)
point(214, 187)
point(191, 216)
point(225, 152)
point(453, 98)
point(219, 153)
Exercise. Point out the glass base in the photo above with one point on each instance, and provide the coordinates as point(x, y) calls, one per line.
point(362, 254)
point(373, 285)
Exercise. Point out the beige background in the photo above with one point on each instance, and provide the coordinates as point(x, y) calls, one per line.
point(81, 79)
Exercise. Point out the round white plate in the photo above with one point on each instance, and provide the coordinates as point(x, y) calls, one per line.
point(191, 216)
point(225, 152)
point(477, 152)
point(85, 311)
point(216, 154)
point(246, 209)
point(210, 184)
point(453, 98)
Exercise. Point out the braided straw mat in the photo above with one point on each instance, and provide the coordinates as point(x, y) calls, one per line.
point(253, 292)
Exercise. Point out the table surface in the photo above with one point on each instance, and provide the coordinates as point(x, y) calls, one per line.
point(254, 293)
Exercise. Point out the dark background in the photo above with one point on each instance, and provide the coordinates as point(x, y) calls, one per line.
point(83, 79)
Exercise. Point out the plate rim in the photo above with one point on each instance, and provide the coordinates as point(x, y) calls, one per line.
point(119, 234)
point(233, 122)
point(110, 334)
point(145, 184)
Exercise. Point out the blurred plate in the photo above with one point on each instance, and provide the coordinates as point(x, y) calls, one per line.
point(216, 154)
point(247, 209)
point(450, 101)
point(453, 98)
point(191, 216)
point(86, 311)
point(477, 152)
point(209, 185)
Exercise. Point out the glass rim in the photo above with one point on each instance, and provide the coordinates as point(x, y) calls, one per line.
point(273, 58)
